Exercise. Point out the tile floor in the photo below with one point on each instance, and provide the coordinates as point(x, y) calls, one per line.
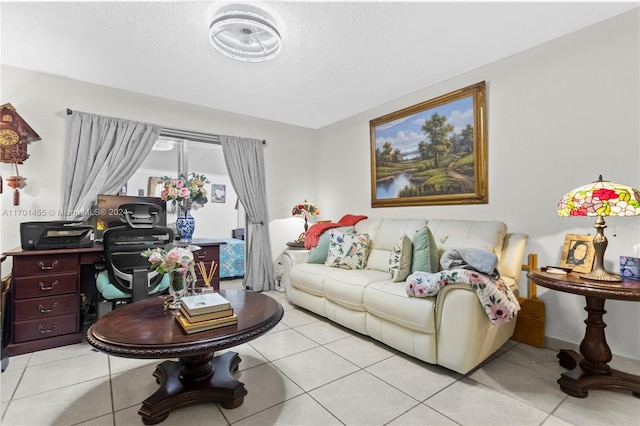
point(309, 371)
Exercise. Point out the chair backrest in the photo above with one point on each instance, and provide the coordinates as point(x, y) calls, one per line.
point(128, 270)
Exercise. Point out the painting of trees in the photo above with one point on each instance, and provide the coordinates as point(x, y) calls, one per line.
point(431, 153)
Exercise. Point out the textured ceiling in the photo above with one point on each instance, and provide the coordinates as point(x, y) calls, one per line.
point(338, 58)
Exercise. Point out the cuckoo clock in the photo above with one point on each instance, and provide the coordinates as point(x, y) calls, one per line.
point(15, 136)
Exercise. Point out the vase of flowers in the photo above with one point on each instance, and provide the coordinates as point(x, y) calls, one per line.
point(184, 193)
point(178, 263)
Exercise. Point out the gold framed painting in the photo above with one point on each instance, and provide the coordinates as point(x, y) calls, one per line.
point(432, 153)
point(578, 253)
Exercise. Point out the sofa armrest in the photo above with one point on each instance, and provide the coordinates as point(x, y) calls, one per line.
point(290, 258)
point(513, 253)
point(294, 257)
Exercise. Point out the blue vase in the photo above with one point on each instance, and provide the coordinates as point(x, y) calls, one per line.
point(185, 224)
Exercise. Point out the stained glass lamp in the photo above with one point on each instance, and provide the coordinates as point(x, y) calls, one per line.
point(601, 198)
point(304, 209)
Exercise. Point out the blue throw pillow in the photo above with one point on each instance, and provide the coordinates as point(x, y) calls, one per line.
point(318, 254)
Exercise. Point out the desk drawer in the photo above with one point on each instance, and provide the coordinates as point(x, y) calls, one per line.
point(207, 254)
point(27, 266)
point(45, 285)
point(44, 328)
point(45, 307)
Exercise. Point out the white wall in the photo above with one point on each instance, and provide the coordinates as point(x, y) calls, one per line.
point(558, 116)
point(42, 100)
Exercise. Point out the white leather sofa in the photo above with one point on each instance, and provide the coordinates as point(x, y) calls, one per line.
point(450, 329)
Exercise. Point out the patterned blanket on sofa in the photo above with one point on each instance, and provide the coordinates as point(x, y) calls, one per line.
point(496, 297)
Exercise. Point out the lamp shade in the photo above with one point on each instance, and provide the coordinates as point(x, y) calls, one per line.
point(305, 209)
point(601, 198)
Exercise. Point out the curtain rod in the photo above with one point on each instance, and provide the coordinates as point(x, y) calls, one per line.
point(168, 132)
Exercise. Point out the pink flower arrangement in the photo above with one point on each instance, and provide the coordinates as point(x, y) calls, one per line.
point(177, 259)
point(188, 189)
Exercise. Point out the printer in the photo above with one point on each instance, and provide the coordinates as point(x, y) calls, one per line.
point(58, 234)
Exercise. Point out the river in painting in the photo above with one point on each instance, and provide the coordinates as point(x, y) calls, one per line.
point(389, 188)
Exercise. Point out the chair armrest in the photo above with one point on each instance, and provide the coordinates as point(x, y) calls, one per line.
point(99, 266)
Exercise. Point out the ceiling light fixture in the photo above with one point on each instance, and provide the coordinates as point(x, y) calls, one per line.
point(245, 36)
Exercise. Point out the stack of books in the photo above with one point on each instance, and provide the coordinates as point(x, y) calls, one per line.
point(205, 312)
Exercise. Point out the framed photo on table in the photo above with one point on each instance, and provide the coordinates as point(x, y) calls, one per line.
point(578, 253)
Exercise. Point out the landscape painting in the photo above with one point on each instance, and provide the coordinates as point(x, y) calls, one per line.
point(431, 153)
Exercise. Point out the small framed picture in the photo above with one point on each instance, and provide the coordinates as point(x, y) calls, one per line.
point(578, 253)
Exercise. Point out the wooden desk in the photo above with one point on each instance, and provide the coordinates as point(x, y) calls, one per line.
point(146, 330)
point(46, 291)
point(590, 369)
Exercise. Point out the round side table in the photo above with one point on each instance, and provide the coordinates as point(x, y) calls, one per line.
point(590, 369)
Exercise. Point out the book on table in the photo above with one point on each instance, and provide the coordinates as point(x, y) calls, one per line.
point(205, 325)
point(205, 317)
point(205, 303)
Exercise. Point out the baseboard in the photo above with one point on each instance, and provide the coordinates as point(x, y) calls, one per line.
point(557, 344)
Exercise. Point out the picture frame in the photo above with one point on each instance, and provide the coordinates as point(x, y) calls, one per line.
point(154, 186)
point(218, 193)
point(432, 153)
point(578, 253)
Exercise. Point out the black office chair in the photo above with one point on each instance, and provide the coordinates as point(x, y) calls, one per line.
point(128, 276)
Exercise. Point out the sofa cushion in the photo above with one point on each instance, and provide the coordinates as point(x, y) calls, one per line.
point(387, 235)
point(400, 259)
point(389, 300)
point(452, 234)
point(425, 252)
point(346, 288)
point(309, 277)
point(318, 254)
point(347, 251)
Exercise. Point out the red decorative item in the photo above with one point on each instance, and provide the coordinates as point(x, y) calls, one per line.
point(16, 182)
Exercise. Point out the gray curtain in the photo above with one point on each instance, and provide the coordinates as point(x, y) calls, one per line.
point(245, 163)
point(103, 153)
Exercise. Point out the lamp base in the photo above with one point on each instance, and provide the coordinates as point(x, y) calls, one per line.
point(601, 275)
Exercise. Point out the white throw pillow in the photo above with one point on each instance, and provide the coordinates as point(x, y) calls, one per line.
point(400, 259)
point(347, 251)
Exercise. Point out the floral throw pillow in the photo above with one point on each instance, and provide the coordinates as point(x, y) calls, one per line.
point(347, 251)
point(400, 259)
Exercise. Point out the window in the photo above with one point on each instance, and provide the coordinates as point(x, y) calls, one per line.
point(219, 216)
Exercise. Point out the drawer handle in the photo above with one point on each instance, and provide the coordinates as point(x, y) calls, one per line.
point(47, 330)
point(203, 255)
point(51, 287)
point(46, 268)
point(44, 311)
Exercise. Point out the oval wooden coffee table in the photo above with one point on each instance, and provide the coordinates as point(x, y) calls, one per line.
point(145, 330)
